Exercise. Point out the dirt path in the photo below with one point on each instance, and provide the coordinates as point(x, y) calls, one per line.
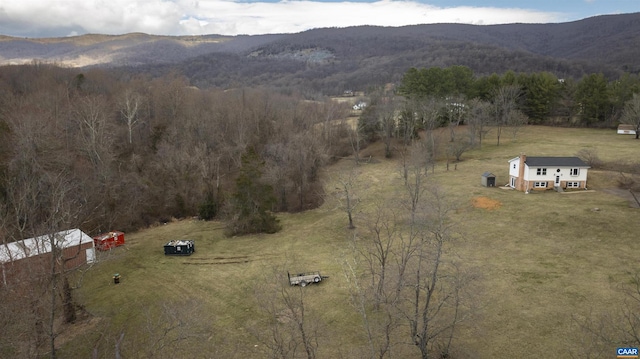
point(624, 194)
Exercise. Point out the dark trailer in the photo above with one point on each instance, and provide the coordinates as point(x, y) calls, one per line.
point(178, 247)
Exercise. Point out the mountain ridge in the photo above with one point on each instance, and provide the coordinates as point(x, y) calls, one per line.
point(332, 58)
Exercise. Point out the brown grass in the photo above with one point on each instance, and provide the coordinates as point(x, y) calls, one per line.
point(541, 259)
point(485, 203)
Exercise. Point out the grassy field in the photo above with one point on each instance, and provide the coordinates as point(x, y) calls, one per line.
point(541, 259)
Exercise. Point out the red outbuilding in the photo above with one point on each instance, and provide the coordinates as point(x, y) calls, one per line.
point(106, 241)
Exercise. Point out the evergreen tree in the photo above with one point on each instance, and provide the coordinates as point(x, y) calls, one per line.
point(252, 200)
point(438, 82)
point(209, 207)
point(368, 122)
point(593, 96)
point(541, 93)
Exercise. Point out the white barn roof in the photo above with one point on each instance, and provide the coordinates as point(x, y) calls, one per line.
point(42, 244)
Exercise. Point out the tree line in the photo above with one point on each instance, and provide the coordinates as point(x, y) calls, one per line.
point(133, 150)
point(592, 101)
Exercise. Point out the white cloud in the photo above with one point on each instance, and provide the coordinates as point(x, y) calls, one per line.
point(187, 17)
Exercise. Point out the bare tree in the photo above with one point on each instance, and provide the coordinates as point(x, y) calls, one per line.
point(293, 330)
point(277, 164)
point(170, 330)
point(355, 140)
point(414, 157)
point(95, 133)
point(41, 198)
point(44, 278)
point(429, 113)
point(632, 184)
point(408, 122)
point(504, 107)
point(629, 329)
point(130, 104)
point(590, 157)
point(346, 194)
point(379, 324)
point(478, 120)
point(307, 155)
point(380, 239)
point(417, 291)
point(456, 111)
point(516, 122)
point(589, 337)
point(332, 111)
point(63, 209)
point(457, 148)
point(597, 332)
point(384, 107)
point(432, 310)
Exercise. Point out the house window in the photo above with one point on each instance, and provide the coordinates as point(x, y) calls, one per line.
point(574, 171)
point(541, 171)
point(540, 184)
point(573, 184)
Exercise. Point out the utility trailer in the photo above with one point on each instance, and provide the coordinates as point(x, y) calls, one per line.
point(302, 279)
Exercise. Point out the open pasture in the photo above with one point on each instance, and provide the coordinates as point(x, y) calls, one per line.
point(541, 259)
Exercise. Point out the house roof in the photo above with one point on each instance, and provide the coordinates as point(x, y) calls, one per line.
point(626, 127)
point(555, 161)
point(40, 245)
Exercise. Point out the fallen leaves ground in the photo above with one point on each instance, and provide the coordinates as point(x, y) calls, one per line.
point(486, 203)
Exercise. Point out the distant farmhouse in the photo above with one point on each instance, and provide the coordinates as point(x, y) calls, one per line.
point(32, 256)
point(540, 173)
point(624, 129)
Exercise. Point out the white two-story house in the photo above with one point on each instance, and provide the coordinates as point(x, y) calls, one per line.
point(540, 173)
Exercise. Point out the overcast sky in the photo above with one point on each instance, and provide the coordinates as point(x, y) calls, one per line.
point(54, 18)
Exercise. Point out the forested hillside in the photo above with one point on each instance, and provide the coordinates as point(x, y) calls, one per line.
point(332, 60)
point(125, 153)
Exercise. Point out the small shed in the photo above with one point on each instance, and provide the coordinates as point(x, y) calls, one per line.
point(106, 241)
point(180, 247)
point(488, 179)
point(626, 129)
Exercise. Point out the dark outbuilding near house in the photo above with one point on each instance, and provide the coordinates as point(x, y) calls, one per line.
point(178, 247)
point(488, 179)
